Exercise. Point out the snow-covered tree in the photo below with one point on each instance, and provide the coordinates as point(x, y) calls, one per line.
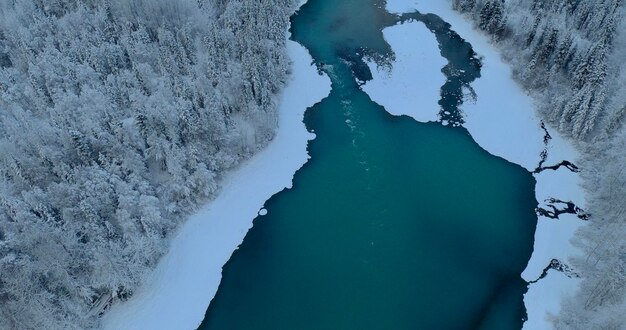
point(116, 119)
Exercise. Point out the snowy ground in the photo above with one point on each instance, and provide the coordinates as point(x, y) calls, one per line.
point(503, 121)
point(412, 86)
point(178, 293)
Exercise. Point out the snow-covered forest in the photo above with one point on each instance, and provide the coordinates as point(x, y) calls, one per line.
point(570, 55)
point(117, 118)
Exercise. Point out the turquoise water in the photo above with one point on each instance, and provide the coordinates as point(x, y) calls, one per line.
point(392, 224)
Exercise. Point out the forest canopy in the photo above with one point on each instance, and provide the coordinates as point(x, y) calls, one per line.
point(117, 118)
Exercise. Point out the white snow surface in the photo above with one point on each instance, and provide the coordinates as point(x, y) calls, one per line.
point(413, 84)
point(504, 122)
point(542, 302)
point(180, 289)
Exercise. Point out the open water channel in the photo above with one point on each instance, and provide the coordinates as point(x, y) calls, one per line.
point(392, 224)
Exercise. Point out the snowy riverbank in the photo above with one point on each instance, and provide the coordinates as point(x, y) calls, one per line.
point(503, 121)
point(178, 293)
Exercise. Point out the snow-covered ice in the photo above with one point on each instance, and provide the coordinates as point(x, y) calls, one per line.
point(179, 291)
point(559, 286)
point(503, 121)
point(409, 89)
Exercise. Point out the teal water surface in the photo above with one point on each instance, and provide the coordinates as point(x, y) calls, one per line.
point(392, 224)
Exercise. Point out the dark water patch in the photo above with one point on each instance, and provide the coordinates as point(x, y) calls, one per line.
point(462, 69)
point(558, 207)
point(354, 60)
point(337, 23)
point(544, 156)
point(567, 164)
point(546, 134)
point(559, 266)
